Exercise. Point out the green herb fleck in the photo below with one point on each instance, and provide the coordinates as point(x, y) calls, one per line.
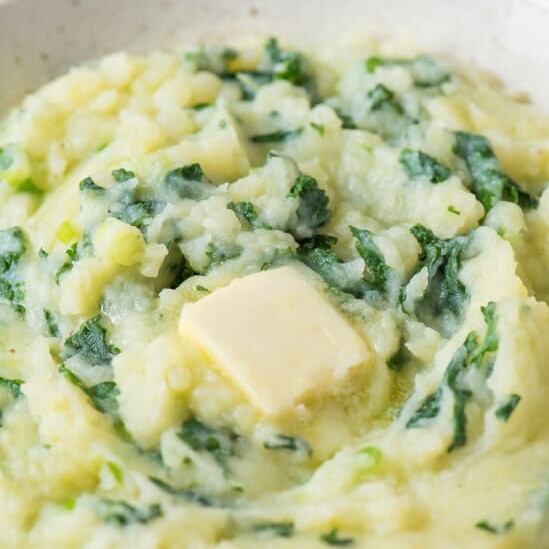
point(285, 442)
point(453, 210)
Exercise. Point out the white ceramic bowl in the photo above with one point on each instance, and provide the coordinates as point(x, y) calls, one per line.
point(41, 38)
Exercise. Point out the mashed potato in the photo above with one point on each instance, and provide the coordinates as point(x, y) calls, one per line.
point(409, 195)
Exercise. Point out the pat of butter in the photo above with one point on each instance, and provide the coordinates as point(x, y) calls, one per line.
point(275, 336)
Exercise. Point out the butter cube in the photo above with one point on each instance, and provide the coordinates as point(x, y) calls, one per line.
point(275, 336)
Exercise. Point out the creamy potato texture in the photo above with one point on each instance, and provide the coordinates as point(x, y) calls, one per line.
point(405, 195)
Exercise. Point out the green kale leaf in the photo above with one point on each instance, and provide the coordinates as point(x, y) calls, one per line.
point(121, 513)
point(285, 442)
point(418, 164)
point(120, 175)
point(286, 65)
point(425, 71)
point(276, 136)
point(188, 182)
point(473, 354)
point(103, 396)
point(378, 273)
point(12, 385)
point(488, 182)
point(332, 538)
point(312, 211)
point(90, 343)
point(503, 412)
point(279, 529)
point(445, 295)
point(12, 248)
point(498, 529)
point(246, 211)
point(382, 97)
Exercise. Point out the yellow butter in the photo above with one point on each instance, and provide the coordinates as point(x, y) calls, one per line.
point(275, 336)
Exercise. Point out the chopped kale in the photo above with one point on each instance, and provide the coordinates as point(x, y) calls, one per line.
point(378, 273)
point(322, 241)
point(429, 409)
point(246, 211)
point(285, 442)
point(51, 324)
point(400, 358)
point(121, 513)
point(12, 385)
point(279, 529)
point(326, 263)
point(418, 164)
point(88, 184)
point(279, 256)
point(12, 248)
point(503, 412)
point(175, 269)
point(220, 252)
point(286, 65)
point(220, 443)
point(90, 343)
point(488, 182)
point(318, 127)
point(347, 123)
point(103, 396)
point(188, 182)
point(276, 136)
point(137, 213)
point(12, 292)
point(120, 175)
point(332, 538)
point(493, 528)
point(312, 211)
point(445, 293)
point(216, 59)
point(382, 97)
point(472, 354)
point(72, 254)
point(202, 106)
point(425, 71)
point(191, 496)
